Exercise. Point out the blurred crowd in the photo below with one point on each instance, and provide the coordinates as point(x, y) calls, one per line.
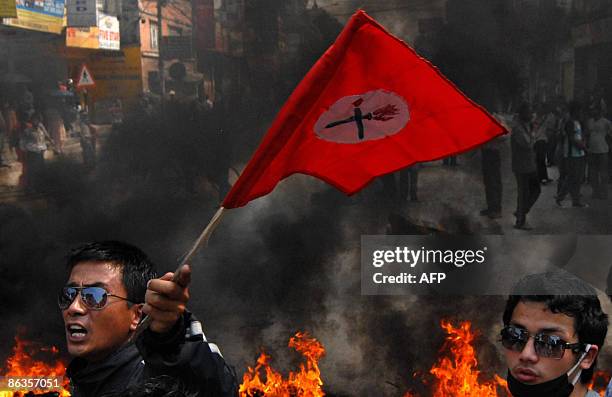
point(574, 138)
point(31, 127)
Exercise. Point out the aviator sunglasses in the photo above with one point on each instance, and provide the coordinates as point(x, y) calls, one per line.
point(94, 298)
point(549, 346)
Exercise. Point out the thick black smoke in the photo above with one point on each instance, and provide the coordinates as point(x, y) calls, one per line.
point(285, 263)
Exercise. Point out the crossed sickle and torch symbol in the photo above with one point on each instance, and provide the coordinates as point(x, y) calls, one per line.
point(384, 113)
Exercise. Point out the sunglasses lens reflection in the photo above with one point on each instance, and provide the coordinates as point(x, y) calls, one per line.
point(548, 346)
point(513, 339)
point(92, 297)
point(66, 296)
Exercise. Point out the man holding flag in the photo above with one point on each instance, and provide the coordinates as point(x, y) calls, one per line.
point(110, 284)
point(358, 115)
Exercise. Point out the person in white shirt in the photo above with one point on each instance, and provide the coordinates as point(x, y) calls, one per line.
point(600, 130)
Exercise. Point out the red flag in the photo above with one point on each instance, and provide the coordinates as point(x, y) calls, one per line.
point(368, 107)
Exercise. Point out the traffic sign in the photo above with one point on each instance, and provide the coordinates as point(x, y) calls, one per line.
point(85, 78)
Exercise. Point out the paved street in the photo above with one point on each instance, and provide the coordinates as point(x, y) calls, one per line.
point(448, 192)
point(9, 176)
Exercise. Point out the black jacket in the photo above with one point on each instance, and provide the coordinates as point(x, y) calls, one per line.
point(523, 155)
point(183, 354)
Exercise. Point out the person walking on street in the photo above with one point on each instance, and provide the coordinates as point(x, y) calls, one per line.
point(524, 166)
point(56, 127)
point(12, 126)
point(450, 161)
point(3, 138)
point(552, 133)
point(87, 139)
point(491, 176)
point(574, 157)
point(408, 183)
point(546, 122)
point(600, 130)
point(33, 142)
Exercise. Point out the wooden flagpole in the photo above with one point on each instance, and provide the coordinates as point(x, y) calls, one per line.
point(200, 242)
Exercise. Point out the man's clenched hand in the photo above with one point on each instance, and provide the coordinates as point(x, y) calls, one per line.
point(165, 299)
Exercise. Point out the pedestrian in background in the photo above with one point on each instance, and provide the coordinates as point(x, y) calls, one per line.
point(574, 157)
point(408, 183)
point(87, 139)
point(55, 126)
point(524, 165)
point(10, 118)
point(3, 139)
point(600, 130)
point(491, 174)
point(33, 142)
point(552, 133)
point(450, 161)
point(545, 122)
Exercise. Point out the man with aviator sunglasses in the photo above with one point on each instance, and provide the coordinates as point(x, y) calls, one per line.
point(110, 287)
point(554, 328)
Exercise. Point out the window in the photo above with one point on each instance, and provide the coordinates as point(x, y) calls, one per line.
point(153, 34)
point(175, 30)
point(154, 86)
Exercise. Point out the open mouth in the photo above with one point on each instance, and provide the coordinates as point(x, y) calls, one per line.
point(76, 332)
point(526, 376)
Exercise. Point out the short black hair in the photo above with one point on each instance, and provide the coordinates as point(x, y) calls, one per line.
point(136, 267)
point(570, 296)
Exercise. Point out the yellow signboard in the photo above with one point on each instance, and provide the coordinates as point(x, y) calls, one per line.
point(8, 8)
point(82, 37)
point(44, 15)
point(119, 76)
point(105, 36)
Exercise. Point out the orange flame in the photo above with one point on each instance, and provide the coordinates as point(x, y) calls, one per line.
point(456, 373)
point(305, 383)
point(23, 363)
point(600, 382)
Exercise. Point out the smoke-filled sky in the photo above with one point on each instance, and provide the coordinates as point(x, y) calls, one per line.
point(400, 17)
point(285, 263)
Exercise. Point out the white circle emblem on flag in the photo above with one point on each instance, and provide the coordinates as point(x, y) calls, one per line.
point(365, 117)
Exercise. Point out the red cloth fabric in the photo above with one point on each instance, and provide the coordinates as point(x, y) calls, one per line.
point(415, 115)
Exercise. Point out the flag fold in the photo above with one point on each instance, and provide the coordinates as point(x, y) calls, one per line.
point(368, 107)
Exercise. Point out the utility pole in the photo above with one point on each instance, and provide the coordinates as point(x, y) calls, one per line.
point(160, 59)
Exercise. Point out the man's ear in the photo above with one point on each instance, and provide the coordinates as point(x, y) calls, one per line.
point(136, 316)
point(590, 357)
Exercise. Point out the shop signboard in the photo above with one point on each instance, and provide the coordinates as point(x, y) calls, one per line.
point(8, 8)
point(176, 47)
point(118, 74)
point(105, 36)
point(109, 35)
point(83, 37)
point(81, 13)
point(41, 15)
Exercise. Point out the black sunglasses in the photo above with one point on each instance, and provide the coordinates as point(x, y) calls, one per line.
point(94, 298)
point(549, 346)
